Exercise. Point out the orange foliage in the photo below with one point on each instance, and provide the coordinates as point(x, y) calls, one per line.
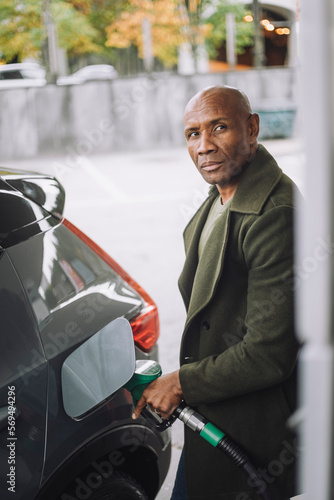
point(169, 27)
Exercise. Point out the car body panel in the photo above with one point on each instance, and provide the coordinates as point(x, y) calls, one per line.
point(57, 292)
point(23, 368)
point(73, 294)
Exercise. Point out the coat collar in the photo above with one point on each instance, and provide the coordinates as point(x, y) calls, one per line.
point(256, 185)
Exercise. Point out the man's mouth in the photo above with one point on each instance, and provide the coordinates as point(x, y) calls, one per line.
point(210, 166)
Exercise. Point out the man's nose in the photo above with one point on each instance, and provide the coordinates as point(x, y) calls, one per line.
point(206, 144)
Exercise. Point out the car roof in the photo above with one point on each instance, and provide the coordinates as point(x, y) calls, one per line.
point(12, 66)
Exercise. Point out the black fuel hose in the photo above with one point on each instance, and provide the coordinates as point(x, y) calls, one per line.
point(240, 459)
point(222, 442)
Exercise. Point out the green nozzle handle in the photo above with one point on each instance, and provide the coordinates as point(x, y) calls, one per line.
point(146, 371)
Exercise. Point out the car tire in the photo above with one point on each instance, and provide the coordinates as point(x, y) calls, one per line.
point(119, 486)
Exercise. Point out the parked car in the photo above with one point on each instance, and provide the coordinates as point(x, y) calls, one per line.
point(22, 75)
point(58, 289)
point(89, 73)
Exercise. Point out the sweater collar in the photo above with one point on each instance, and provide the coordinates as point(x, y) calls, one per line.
point(257, 183)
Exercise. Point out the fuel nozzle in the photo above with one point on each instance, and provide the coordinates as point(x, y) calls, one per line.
point(146, 371)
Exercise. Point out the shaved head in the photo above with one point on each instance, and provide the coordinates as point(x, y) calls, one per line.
point(238, 97)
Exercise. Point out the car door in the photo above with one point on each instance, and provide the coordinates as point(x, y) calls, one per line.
point(23, 386)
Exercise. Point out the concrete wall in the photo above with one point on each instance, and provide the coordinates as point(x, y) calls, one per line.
point(124, 114)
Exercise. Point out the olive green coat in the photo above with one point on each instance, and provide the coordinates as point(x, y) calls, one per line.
point(238, 350)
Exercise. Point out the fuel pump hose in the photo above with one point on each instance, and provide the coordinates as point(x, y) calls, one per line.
point(217, 438)
point(147, 371)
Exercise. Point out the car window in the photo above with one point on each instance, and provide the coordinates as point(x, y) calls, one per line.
point(11, 75)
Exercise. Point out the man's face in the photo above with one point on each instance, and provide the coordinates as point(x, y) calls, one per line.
point(219, 136)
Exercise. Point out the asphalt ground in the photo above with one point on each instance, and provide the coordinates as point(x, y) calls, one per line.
point(135, 205)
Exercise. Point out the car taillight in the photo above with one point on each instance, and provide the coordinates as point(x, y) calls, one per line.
point(145, 325)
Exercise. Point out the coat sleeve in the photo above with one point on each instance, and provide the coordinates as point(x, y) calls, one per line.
point(267, 353)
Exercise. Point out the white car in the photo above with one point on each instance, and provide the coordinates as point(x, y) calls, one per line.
point(22, 75)
point(88, 73)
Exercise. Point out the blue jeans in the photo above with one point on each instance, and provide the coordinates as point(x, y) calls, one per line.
point(179, 490)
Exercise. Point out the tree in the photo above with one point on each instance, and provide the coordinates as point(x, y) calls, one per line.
point(175, 22)
point(75, 33)
point(167, 25)
point(21, 28)
point(103, 13)
point(217, 19)
point(96, 26)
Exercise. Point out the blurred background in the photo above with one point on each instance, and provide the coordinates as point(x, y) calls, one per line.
point(85, 76)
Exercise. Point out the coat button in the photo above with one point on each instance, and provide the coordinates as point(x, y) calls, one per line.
point(206, 325)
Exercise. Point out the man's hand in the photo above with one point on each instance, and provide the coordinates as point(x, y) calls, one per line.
point(163, 395)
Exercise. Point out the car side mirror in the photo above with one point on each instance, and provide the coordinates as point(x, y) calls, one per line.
point(98, 368)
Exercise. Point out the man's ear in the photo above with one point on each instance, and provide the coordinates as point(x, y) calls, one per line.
point(254, 127)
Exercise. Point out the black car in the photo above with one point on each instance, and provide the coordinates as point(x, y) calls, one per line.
point(58, 289)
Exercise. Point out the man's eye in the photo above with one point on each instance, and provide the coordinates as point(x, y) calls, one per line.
point(192, 134)
point(220, 127)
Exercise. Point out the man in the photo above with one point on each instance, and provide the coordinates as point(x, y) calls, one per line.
point(238, 350)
